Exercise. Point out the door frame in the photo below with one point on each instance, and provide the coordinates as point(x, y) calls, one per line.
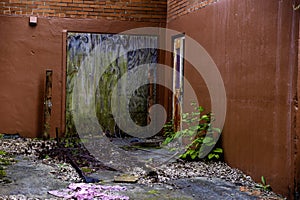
point(178, 51)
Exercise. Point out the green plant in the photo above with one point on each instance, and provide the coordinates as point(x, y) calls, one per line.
point(263, 185)
point(215, 153)
point(169, 129)
point(2, 153)
point(70, 142)
point(198, 129)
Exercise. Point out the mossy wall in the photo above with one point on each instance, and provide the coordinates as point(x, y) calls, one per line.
point(95, 64)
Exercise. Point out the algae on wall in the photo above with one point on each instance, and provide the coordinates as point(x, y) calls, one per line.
point(96, 62)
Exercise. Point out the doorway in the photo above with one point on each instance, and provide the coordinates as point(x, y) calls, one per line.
point(178, 72)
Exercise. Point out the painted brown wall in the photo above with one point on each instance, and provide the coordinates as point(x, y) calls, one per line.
point(253, 45)
point(26, 53)
point(297, 126)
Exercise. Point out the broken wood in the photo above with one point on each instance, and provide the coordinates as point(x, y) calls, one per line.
point(125, 178)
point(82, 175)
point(47, 104)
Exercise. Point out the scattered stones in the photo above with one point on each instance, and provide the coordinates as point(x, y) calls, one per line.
point(165, 175)
point(31, 148)
point(181, 170)
point(25, 146)
point(63, 171)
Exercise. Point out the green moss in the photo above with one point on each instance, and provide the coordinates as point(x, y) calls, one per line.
point(2, 173)
point(104, 73)
point(153, 192)
point(86, 170)
point(5, 161)
point(104, 91)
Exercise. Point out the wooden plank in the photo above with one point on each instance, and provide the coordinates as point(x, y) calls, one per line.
point(47, 104)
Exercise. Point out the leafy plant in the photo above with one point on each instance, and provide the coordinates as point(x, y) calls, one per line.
point(198, 129)
point(70, 142)
point(263, 185)
point(215, 153)
point(169, 129)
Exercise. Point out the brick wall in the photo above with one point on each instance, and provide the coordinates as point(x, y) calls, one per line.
point(132, 10)
point(127, 10)
point(178, 8)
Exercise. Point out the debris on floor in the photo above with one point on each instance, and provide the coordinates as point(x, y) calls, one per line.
point(87, 191)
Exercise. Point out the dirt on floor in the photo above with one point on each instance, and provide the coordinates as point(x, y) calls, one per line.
point(39, 167)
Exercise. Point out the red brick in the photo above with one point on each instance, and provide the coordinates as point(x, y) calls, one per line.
point(32, 6)
point(89, 2)
point(82, 13)
point(37, 3)
point(97, 10)
point(15, 1)
point(73, 5)
point(87, 9)
point(92, 17)
point(83, 5)
point(43, 7)
point(71, 12)
point(96, 6)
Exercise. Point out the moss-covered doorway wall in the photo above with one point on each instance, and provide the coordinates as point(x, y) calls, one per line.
point(97, 62)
